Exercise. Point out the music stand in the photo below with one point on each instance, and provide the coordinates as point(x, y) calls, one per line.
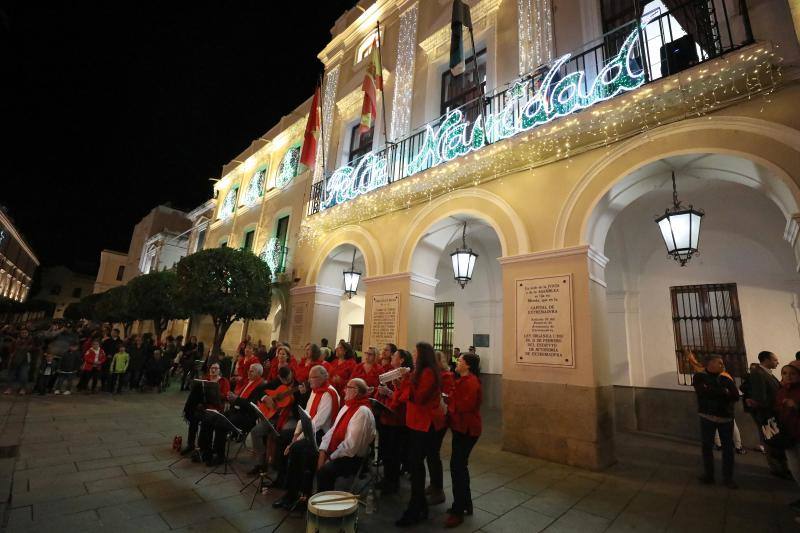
point(308, 427)
point(229, 428)
point(203, 392)
point(263, 477)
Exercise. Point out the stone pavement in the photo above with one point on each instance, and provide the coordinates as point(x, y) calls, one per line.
point(102, 463)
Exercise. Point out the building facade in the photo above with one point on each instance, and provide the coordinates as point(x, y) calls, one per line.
point(61, 286)
point(549, 157)
point(17, 261)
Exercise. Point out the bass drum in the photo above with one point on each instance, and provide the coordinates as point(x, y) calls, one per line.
point(332, 512)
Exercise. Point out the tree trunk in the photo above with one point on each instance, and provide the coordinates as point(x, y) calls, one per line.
point(159, 329)
point(220, 330)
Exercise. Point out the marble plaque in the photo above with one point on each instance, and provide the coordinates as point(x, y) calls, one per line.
point(384, 321)
point(298, 323)
point(544, 321)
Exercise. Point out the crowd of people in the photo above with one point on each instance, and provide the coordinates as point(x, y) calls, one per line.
point(408, 401)
point(773, 404)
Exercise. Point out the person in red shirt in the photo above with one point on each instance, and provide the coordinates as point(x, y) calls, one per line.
point(93, 361)
point(342, 367)
point(238, 374)
point(385, 360)
point(464, 419)
point(435, 491)
point(312, 358)
point(392, 431)
point(423, 398)
point(369, 370)
point(194, 408)
point(283, 357)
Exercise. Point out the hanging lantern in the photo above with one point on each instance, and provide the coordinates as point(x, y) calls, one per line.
point(680, 228)
point(351, 278)
point(463, 260)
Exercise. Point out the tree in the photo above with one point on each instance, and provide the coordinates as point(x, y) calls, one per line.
point(227, 285)
point(154, 296)
point(88, 306)
point(113, 307)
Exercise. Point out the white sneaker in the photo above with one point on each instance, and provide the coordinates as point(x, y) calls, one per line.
point(66, 393)
point(57, 392)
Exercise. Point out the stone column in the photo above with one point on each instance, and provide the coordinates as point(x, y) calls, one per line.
point(313, 314)
point(563, 411)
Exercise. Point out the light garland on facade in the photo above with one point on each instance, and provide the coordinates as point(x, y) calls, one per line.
point(229, 204)
point(454, 138)
point(535, 31)
point(738, 76)
point(328, 105)
point(287, 170)
point(404, 81)
point(271, 255)
point(255, 189)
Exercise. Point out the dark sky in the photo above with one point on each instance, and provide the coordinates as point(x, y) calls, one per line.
point(108, 109)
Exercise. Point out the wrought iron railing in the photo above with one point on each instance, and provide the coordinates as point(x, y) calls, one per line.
point(669, 41)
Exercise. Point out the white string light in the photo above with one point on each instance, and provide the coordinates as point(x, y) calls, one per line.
point(328, 105)
point(255, 189)
point(535, 28)
point(287, 170)
point(404, 81)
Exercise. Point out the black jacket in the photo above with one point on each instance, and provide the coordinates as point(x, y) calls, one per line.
point(716, 394)
point(763, 388)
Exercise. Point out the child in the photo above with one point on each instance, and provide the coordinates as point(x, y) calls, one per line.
point(93, 361)
point(119, 365)
point(67, 367)
point(47, 374)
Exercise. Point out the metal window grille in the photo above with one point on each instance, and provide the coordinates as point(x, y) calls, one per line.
point(443, 326)
point(360, 143)
point(706, 320)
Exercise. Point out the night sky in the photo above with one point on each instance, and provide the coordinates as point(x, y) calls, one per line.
point(109, 109)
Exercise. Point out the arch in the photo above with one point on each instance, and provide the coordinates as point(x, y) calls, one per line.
point(356, 236)
point(772, 146)
point(476, 202)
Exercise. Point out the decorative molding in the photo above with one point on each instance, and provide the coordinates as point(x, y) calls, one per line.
point(349, 104)
point(422, 296)
point(326, 304)
point(316, 289)
point(483, 15)
point(583, 249)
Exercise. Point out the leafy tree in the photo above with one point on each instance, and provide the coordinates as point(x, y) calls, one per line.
point(74, 311)
point(227, 285)
point(113, 306)
point(87, 306)
point(154, 296)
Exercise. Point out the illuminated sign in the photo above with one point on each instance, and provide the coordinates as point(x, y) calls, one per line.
point(524, 110)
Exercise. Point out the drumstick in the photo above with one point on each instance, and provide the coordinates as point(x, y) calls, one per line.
point(338, 499)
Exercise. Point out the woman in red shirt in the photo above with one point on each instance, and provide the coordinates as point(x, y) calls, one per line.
point(464, 419)
point(342, 367)
point(369, 370)
point(435, 491)
point(423, 398)
point(392, 431)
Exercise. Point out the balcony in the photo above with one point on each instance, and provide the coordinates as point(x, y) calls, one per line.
point(606, 75)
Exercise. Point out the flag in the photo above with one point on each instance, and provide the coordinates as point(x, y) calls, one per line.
point(309, 154)
point(461, 18)
point(373, 82)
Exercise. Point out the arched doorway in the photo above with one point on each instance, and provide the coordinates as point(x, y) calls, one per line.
point(737, 297)
point(463, 317)
point(344, 318)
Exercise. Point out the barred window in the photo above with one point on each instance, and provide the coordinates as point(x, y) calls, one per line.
point(443, 326)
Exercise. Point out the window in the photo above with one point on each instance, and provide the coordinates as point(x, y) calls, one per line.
point(201, 240)
point(360, 143)
point(287, 169)
point(255, 187)
point(282, 234)
point(55, 290)
point(443, 327)
point(706, 320)
point(248, 240)
point(366, 45)
point(464, 88)
point(228, 206)
point(76, 292)
point(120, 272)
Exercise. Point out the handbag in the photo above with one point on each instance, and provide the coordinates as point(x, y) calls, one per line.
point(774, 436)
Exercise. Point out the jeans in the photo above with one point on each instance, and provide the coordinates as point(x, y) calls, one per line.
point(434, 459)
point(93, 374)
point(116, 382)
point(707, 430)
point(64, 381)
point(419, 442)
point(459, 471)
point(18, 376)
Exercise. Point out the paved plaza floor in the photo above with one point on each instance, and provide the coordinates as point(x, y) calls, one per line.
point(102, 463)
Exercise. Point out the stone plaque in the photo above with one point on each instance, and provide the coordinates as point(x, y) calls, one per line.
point(544, 321)
point(298, 323)
point(384, 319)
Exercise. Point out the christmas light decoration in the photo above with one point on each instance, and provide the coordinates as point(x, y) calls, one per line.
point(287, 170)
point(404, 81)
point(328, 105)
point(454, 138)
point(228, 206)
point(255, 189)
point(272, 255)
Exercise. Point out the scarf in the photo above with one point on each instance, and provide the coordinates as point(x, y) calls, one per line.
point(319, 392)
point(249, 387)
point(340, 431)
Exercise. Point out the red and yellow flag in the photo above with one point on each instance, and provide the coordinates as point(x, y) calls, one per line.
point(373, 82)
point(309, 154)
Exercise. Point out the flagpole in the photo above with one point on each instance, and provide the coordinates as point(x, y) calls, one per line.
point(477, 78)
point(383, 100)
point(321, 121)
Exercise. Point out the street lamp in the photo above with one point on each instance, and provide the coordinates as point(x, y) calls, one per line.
point(680, 228)
point(463, 260)
point(351, 278)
